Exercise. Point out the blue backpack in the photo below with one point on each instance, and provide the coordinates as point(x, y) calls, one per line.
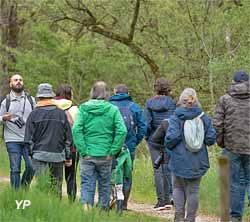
point(127, 116)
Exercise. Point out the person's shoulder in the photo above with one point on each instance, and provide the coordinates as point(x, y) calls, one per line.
point(225, 97)
point(112, 107)
point(3, 100)
point(135, 107)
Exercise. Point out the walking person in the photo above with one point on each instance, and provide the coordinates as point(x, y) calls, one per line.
point(99, 133)
point(63, 100)
point(189, 133)
point(121, 170)
point(158, 108)
point(14, 111)
point(136, 128)
point(49, 138)
point(232, 121)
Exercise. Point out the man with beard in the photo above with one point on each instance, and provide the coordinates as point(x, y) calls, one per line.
point(14, 111)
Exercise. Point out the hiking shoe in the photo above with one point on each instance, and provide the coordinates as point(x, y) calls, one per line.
point(172, 201)
point(159, 206)
point(119, 207)
point(169, 206)
point(236, 219)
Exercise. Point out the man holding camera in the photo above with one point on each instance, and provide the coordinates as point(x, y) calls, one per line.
point(14, 111)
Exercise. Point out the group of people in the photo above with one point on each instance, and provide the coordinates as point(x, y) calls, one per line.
point(50, 133)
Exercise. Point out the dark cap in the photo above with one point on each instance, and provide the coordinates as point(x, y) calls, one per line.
point(240, 76)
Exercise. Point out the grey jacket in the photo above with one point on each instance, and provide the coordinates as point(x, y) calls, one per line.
point(17, 104)
point(232, 119)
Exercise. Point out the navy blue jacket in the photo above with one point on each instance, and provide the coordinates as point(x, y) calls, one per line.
point(133, 138)
point(184, 163)
point(157, 109)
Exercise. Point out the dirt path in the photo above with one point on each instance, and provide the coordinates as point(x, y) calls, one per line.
point(144, 208)
point(167, 214)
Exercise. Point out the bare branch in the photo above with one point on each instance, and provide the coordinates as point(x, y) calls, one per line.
point(133, 47)
point(81, 7)
point(134, 21)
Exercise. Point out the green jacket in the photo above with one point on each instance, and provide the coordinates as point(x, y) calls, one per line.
point(123, 167)
point(99, 129)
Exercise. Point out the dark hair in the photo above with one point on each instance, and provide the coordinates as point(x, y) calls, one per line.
point(121, 88)
point(162, 86)
point(64, 91)
point(99, 91)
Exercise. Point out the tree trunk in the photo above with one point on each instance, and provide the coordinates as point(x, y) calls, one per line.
point(9, 30)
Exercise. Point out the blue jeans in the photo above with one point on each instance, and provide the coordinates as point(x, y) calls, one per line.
point(91, 170)
point(127, 183)
point(16, 151)
point(239, 171)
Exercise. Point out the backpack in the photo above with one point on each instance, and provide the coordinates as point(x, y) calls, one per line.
point(127, 116)
point(194, 133)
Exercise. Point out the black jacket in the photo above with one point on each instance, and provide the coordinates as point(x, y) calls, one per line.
point(48, 134)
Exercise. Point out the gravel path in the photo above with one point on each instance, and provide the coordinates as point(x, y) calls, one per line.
point(167, 214)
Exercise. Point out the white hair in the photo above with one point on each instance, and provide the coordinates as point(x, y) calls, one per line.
point(99, 91)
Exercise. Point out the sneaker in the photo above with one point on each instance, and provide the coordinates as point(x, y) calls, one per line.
point(168, 206)
point(172, 201)
point(159, 206)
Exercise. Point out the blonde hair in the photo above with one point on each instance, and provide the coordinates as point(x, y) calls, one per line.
point(188, 97)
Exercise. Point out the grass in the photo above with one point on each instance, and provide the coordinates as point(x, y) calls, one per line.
point(4, 160)
point(45, 208)
point(142, 191)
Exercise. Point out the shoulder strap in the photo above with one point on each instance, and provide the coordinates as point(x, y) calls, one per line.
point(7, 102)
point(30, 100)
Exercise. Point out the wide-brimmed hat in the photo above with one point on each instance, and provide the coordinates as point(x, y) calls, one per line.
point(44, 90)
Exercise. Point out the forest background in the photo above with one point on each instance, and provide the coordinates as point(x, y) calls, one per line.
point(193, 43)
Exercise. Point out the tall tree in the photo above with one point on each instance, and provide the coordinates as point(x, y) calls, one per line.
point(83, 17)
point(9, 29)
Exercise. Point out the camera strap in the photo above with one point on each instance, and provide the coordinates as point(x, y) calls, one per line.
point(25, 97)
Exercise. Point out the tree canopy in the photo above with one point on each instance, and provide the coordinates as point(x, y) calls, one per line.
point(192, 43)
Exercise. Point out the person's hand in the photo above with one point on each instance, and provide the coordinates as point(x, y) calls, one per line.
point(68, 163)
point(7, 116)
point(109, 158)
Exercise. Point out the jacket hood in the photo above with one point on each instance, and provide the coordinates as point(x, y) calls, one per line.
point(120, 96)
point(240, 90)
point(96, 107)
point(63, 103)
point(159, 104)
point(188, 113)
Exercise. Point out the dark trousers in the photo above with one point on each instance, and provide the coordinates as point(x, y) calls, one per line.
point(70, 177)
point(162, 178)
point(55, 171)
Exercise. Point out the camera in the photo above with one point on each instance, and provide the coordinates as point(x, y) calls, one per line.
point(19, 122)
point(159, 160)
